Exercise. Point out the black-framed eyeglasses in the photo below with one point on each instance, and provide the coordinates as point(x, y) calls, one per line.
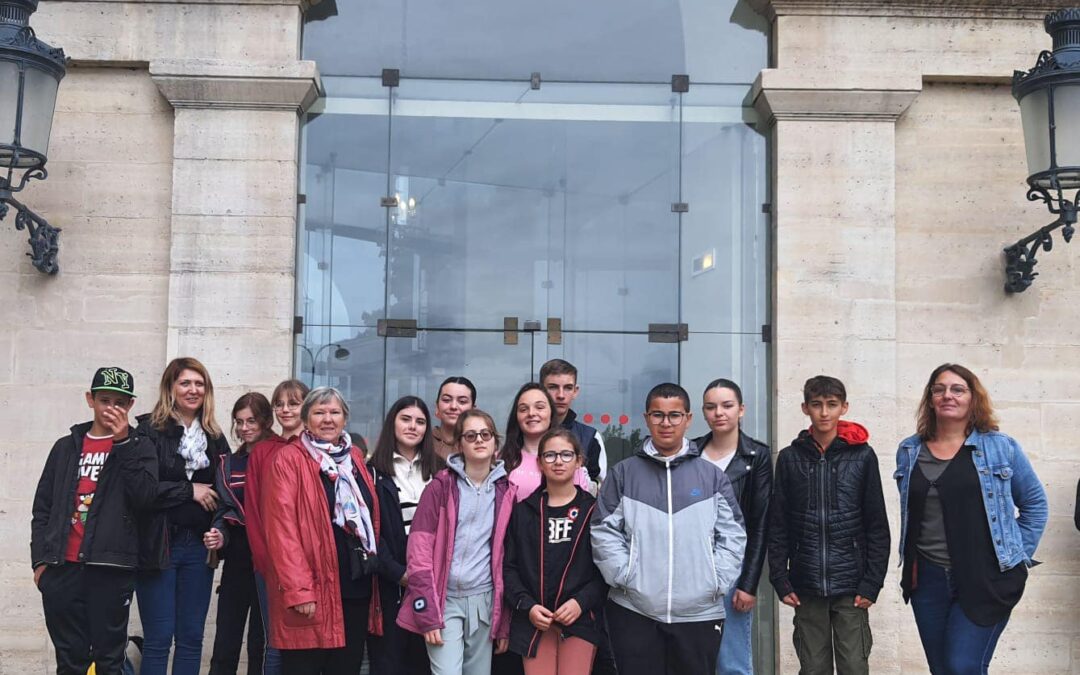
point(565, 456)
point(958, 390)
point(471, 436)
point(673, 418)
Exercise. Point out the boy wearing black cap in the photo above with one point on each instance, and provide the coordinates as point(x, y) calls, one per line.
point(83, 542)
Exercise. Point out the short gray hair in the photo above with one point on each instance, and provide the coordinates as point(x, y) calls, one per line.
point(319, 396)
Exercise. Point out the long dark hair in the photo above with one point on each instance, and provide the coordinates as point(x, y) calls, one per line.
point(382, 458)
point(515, 438)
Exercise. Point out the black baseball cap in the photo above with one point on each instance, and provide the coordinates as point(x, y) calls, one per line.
point(113, 379)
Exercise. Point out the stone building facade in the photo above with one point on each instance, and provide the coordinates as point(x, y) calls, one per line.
point(896, 172)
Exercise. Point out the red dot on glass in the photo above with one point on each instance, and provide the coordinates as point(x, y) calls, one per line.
point(623, 419)
point(605, 418)
point(587, 418)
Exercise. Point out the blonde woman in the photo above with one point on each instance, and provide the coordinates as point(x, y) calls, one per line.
point(174, 584)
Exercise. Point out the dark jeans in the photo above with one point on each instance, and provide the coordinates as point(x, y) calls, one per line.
point(173, 605)
point(343, 661)
point(86, 613)
point(238, 605)
point(954, 645)
point(828, 628)
point(271, 656)
point(643, 646)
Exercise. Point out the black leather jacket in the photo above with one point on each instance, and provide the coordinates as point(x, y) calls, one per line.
point(175, 491)
point(126, 486)
point(828, 531)
point(750, 473)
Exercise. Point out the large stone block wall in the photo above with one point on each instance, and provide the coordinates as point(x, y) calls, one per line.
point(173, 175)
point(959, 199)
point(110, 189)
point(898, 178)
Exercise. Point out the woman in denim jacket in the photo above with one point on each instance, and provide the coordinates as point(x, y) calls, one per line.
point(965, 553)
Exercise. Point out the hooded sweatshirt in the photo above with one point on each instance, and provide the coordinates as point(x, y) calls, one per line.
point(470, 568)
point(667, 535)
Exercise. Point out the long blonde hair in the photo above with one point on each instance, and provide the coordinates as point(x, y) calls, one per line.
point(164, 411)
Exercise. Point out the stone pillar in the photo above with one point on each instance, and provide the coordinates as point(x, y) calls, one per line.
point(834, 247)
point(235, 168)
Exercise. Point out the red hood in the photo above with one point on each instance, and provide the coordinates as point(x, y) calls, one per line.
point(852, 433)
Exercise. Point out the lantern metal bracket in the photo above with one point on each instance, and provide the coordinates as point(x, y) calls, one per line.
point(1020, 257)
point(44, 238)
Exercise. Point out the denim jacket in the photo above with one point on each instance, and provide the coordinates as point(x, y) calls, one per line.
point(1009, 484)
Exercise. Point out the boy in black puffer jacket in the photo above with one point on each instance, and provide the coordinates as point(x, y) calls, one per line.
point(83, 542)
point(829, 534)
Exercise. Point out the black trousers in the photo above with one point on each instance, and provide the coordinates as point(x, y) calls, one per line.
point(86, 613)
point(604, 663)
point(646, 647)
point(343, 661)
point(238, 605)
point(397, 651)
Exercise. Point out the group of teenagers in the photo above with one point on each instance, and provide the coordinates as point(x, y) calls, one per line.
point(449, 547)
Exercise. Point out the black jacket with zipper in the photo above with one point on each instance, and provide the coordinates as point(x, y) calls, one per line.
point(127, 485)
point(230, 510)
point(392, 538)
point(174, 489)
point(522, 572)
point(828, 530)
point(750, 473)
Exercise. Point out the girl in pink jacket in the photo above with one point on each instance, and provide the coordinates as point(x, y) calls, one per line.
point(454, 596)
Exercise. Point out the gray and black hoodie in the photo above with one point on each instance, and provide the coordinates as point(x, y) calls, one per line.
point(668, 535)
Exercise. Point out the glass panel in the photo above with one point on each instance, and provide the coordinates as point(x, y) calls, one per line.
point(741, 358)
point(9, 100)
point(350, 359)
point(600, 40)
point(724, 234)
point(1035, 118)
point(1067, 129)
point(39, 103)
point(534, 209)
point(615, 373)
point(342, 260)
point(417, 366)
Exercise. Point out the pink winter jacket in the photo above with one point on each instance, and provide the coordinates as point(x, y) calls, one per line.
point(431, 548)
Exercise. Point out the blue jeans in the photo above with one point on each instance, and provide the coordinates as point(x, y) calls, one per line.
point(954, 645)
point(736, 654)
point(271, 656)
point(173, 603)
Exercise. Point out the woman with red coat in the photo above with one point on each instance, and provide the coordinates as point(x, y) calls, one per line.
point(321, 523)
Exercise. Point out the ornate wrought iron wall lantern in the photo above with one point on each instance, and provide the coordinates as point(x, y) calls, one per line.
point(1049, 98)
point(30, 73)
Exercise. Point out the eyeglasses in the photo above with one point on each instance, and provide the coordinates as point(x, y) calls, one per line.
point(674, 418)
point(957, 390)
point(565, 456)
point(484, 435)
point(243, 424)
point(279, 405)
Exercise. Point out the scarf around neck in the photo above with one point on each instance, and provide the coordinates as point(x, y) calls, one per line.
point(193, 448)
point(351, 513)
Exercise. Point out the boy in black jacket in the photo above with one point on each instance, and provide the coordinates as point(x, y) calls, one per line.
point(83, 543)
point(828, 534)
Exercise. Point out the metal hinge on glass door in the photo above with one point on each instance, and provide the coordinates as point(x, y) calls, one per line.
point(397, 328)
point(668, 332)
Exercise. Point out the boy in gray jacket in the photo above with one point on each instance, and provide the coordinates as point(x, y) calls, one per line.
point(668, 536)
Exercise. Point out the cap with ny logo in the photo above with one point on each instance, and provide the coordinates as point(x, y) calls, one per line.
point(113, 379)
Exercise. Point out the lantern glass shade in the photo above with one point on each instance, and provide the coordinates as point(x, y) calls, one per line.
point(38, 101)
point(1063, 164)
point(1067, 133)
point(1035, 117)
